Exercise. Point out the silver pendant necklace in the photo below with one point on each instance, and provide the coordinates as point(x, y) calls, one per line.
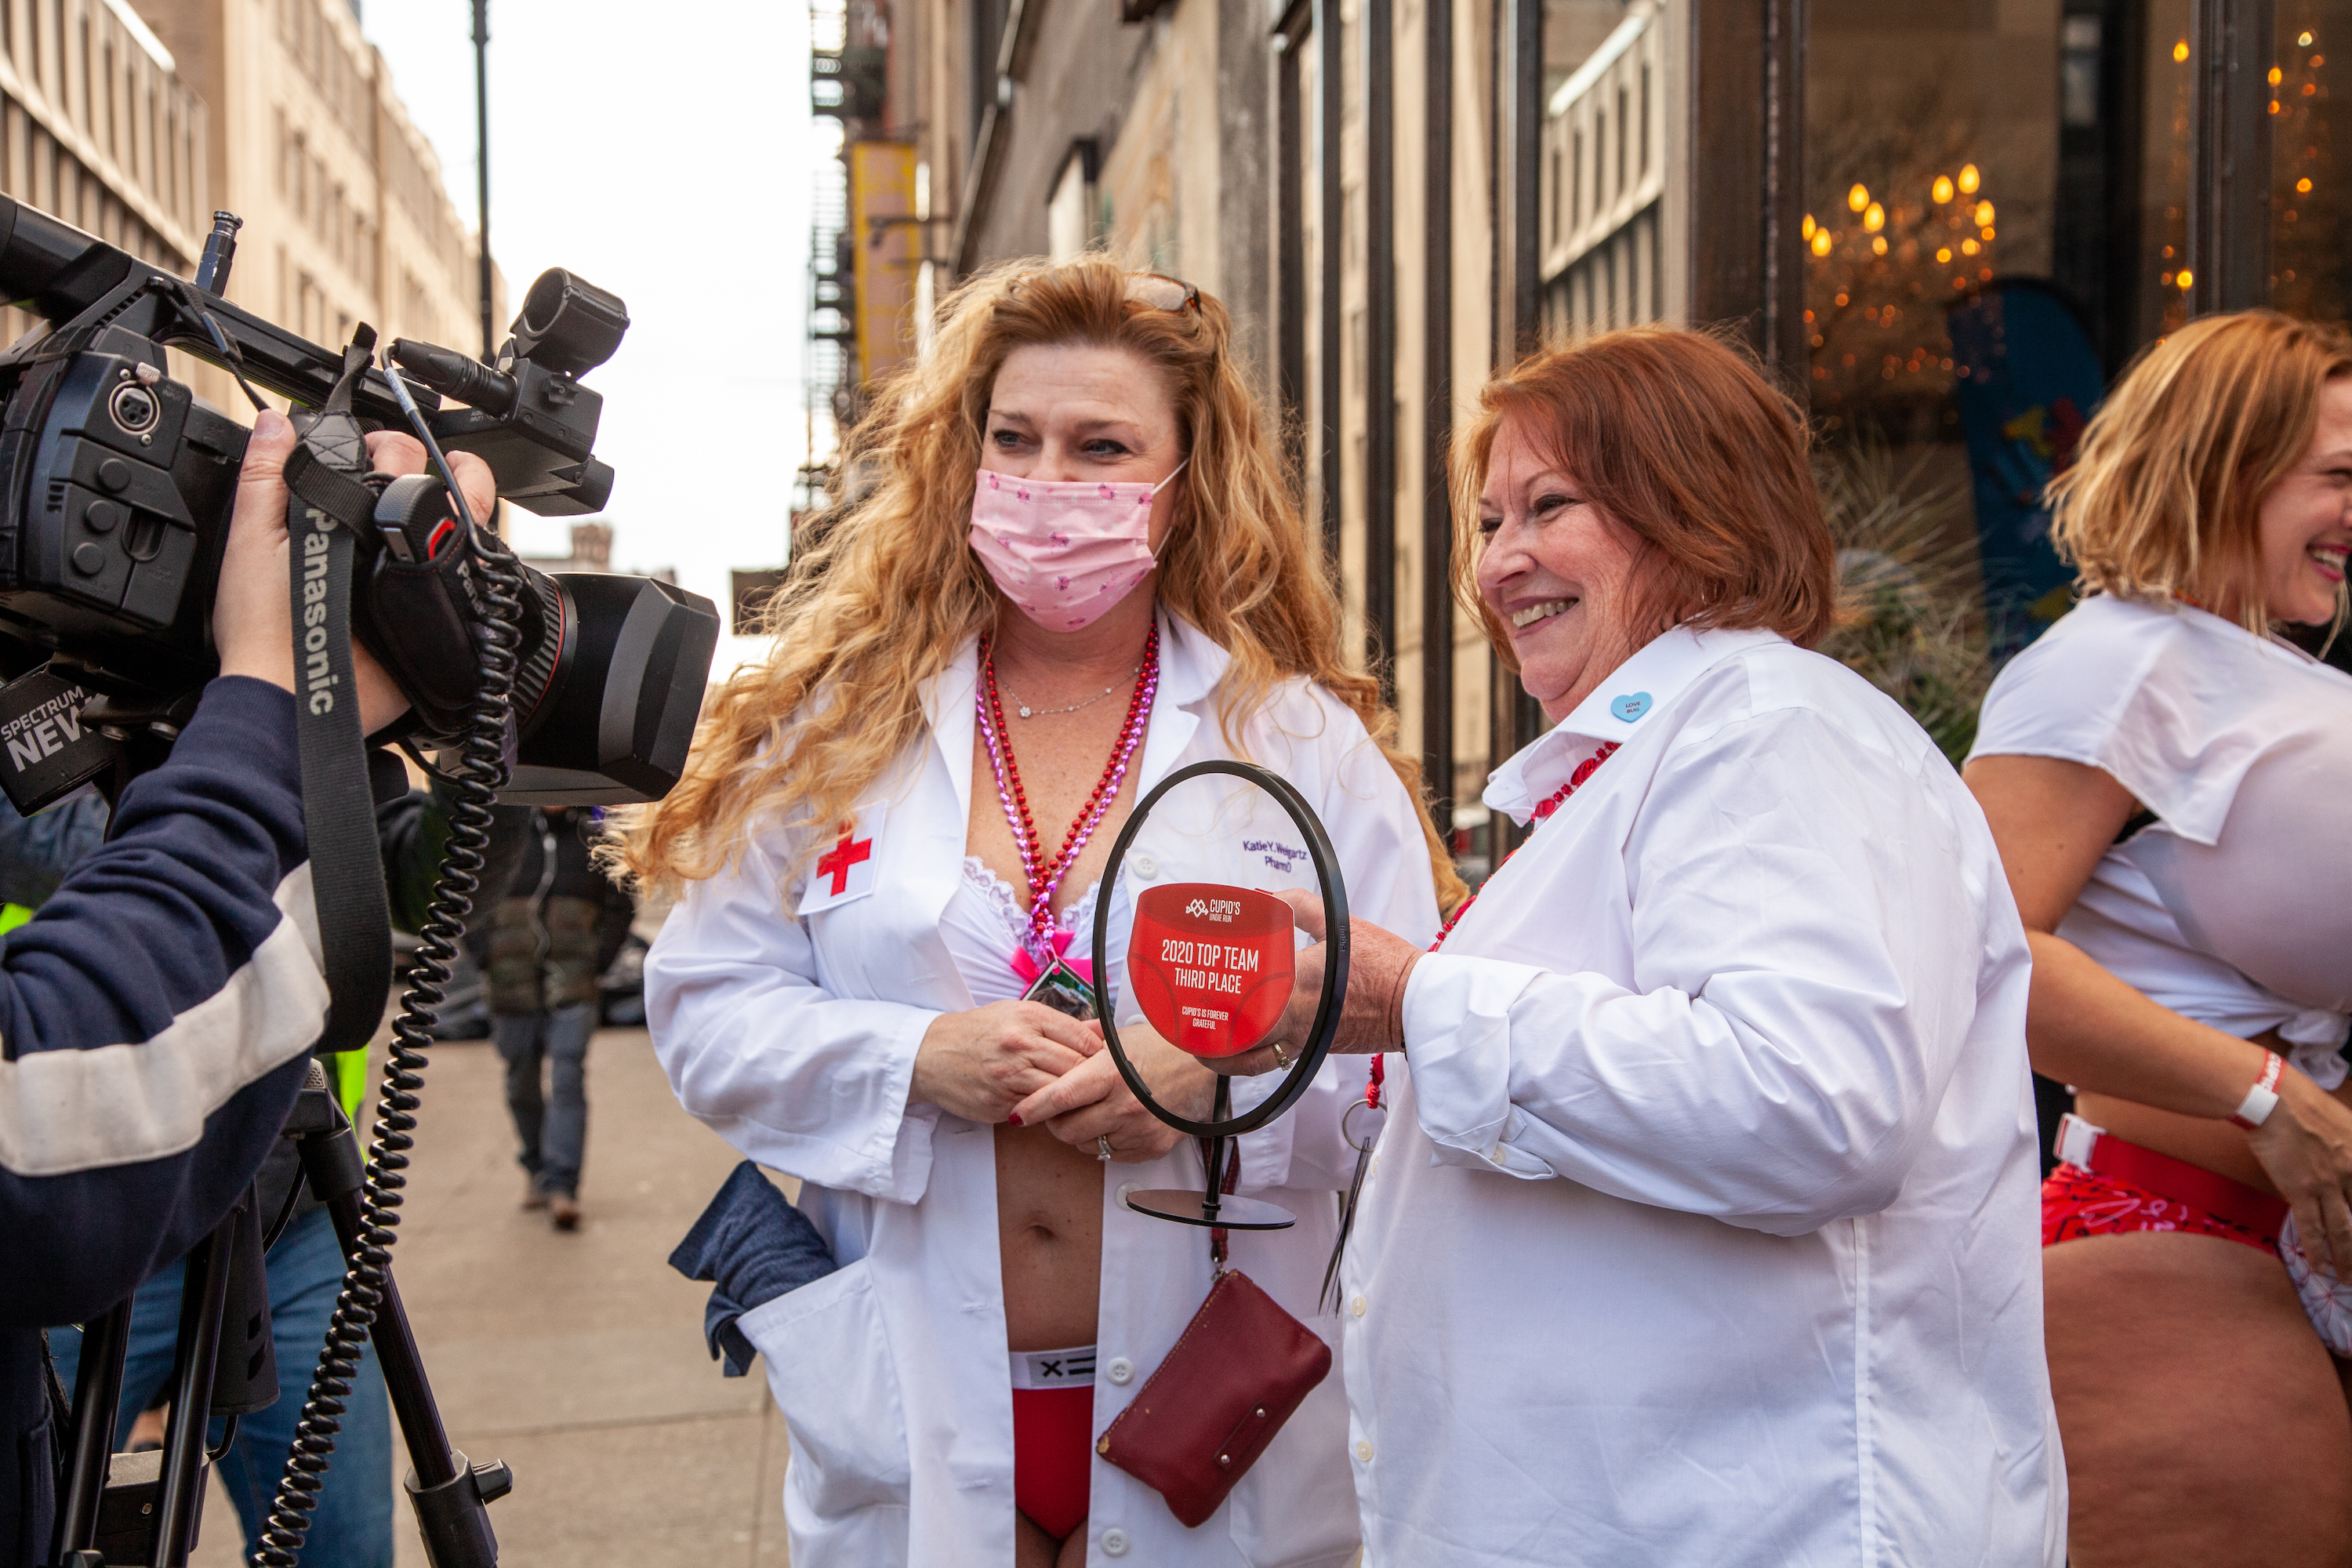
point(1025, 711)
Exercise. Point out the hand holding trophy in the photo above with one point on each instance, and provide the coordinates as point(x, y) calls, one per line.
point(1211, 969)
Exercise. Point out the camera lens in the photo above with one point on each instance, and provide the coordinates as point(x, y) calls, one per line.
point(134, 408)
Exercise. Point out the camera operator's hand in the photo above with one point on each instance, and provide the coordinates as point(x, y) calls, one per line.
point(253, 619)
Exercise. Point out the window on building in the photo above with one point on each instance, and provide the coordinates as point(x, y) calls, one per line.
point(1069, 210)
point(1996, 220)
point(2311, 159)
point(1623, 137)
point(1645, 117)
point(1599, 55)
point(1599, 161)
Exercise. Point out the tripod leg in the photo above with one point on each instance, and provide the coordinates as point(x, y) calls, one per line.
point(98, 1389)
point(404, 1368)
point(450, 1496)
point(204, 1293)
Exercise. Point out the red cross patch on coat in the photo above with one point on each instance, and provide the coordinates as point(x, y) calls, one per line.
point(845, 868)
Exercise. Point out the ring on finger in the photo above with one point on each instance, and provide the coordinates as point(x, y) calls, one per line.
point(1280, 1060)
point(1102, 1145)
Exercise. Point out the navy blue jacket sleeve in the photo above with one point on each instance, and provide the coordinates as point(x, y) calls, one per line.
point(36, 851)
point(154, 1017)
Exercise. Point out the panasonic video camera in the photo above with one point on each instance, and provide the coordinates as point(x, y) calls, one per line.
point(115, 492)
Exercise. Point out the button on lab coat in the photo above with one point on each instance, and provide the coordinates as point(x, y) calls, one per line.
point(1706, 1230)
point(795, 1038)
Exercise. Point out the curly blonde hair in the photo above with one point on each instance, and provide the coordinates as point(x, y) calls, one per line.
point(889, 592)
point(2164, 500)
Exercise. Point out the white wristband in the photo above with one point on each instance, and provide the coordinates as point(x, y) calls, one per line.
point(2263, 1098)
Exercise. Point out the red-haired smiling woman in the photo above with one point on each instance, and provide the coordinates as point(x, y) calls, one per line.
point(1703, 1231)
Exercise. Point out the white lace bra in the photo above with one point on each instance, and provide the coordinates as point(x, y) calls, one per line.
point(983, 926)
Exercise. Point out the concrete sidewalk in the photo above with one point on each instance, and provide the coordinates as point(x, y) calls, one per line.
point(577, 1359)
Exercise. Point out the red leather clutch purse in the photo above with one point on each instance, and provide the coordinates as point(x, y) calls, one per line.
point(1240, 1369)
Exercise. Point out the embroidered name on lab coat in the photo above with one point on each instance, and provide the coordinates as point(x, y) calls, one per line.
point(844, 868)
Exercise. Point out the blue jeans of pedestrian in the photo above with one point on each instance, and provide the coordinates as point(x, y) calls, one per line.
point(352, 1527)
point(552, 1124)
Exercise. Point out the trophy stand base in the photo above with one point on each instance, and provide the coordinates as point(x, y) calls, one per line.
point(1194, 1208)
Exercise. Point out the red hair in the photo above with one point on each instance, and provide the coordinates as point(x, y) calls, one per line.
point(1678, 438)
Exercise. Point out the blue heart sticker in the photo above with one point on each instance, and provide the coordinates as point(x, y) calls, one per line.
point(1630, 707)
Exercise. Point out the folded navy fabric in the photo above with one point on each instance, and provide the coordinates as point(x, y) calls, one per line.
point(753, 1247)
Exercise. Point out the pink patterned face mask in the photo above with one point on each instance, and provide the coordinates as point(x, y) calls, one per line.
point(1063, 552)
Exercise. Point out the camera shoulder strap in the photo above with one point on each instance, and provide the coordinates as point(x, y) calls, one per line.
point(326, 506)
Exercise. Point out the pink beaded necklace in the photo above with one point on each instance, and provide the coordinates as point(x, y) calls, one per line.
point(1045, 876)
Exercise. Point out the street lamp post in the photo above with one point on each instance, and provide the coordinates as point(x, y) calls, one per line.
point(482, 172)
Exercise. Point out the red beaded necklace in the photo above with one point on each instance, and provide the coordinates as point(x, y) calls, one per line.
point(1542, 813)
point(1044, 875)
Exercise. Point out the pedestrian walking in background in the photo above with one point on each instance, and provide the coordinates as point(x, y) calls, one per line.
point(548, 947)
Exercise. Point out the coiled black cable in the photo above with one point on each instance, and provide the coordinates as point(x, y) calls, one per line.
point(481, 773)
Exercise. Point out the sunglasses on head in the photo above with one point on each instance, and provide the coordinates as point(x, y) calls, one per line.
point(1162, 292)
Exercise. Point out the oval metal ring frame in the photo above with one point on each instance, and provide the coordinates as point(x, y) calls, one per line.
point(1335, 968)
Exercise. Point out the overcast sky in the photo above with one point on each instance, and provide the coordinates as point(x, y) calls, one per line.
point(663, 153)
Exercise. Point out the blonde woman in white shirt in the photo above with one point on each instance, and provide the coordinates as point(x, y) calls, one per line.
point(1079, 571)
point(1701, 1230)
point(2168, 783)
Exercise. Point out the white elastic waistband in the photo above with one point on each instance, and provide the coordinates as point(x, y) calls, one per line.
point(1071, 1368)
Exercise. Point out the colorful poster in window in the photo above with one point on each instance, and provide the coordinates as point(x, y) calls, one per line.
point(2026, 381)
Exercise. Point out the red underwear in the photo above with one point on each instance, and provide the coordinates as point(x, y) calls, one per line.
point(1053, 1438)
point(2108, 1186)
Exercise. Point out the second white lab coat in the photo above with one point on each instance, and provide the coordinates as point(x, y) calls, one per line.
point(794, 1037)
point(1706, 1229)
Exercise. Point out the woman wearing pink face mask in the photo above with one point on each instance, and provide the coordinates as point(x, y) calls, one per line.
point(1080, 569)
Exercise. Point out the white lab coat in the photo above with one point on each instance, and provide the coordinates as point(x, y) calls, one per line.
point(795, 1038)
point(1706, 1229)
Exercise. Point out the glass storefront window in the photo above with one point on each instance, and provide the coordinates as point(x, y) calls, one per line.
point(1996, 211)
point(2310, 135)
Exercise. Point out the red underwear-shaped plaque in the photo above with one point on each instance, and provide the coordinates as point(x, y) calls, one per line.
point(1211, 965)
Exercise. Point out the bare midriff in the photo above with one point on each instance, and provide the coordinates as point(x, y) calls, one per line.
point(2216, 1146)
point(1049, 1237)
point(1049, 1196)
